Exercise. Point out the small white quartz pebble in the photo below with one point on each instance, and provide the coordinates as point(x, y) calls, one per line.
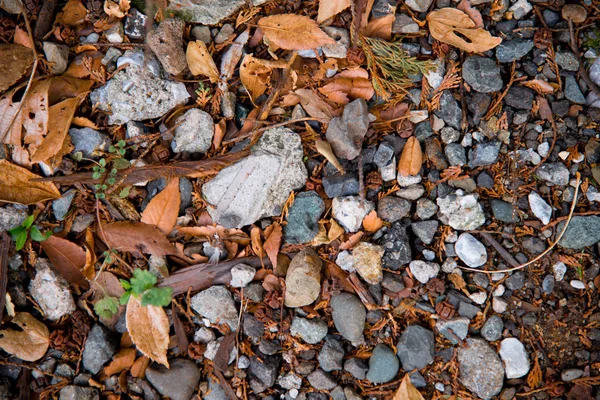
point(479, 297)
point(578, 284)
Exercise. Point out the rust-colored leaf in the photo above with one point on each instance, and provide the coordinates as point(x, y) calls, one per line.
point(407, 391)
point(293, 32)
point(255, 76)
point(272, 243)
point(411, 158)
point(372, 222)
point(380, 27)
point(16, 61)
point(200, 61)
point(67, 258)
point(352, 241)
point(30, 343)
point(73, 13)
point(330, 8)
point(444, 24)
point(148, 327)
point(137, 237)
point(324, 148)
point(163, 209)
point(138, 369)
point(256, 241)
point(117, 9)
point(16, 186)
point(349, 85)
point(314, 105)
point(122, 361)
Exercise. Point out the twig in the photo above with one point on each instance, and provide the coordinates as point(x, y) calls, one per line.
point(584, 75)
point(501, 250)
point(542, 255)
point(277, 125)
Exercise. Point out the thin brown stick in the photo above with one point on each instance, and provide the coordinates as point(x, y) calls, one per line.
point(500, 249)
point(277, 125)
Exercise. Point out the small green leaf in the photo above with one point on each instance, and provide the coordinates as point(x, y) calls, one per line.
point(21, 239)
point(141, 281)
point(28, 221)
point(107, 307)
point(126, 285)
point(121, 143)
point(95, 168)
point(96, 175)
point(102, 162)
point(97, 186)
point(37, 235)
point(102, 170)
point(114, 171)
point(16, 232)
point(112, 149)
point(120, 163)
point(159, 297)
point(125, 298)
point(104, 187)
point(77, 156)
point(122, 152)
point(111, 181)
point(124, 192)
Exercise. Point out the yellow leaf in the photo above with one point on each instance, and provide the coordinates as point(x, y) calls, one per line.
point(255, 76)
point(148, 327)
point(446, 22)
point(411, 158)
point(31, 343)
point(293, 32)
point(329, 8)
point(372, 223)
point(163, 209)
point(200, 61)
point(16, 186)
point(407, 391)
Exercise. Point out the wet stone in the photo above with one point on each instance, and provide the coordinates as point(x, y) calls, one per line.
point(303, 218)
point(383, 365)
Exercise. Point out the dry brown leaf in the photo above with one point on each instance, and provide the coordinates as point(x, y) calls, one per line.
point(324, 148)
point(473, 13)
point(21, 37)
point(17, 60)
point(220, 131)
point(411, 158)
point(137, 237)
point(293, 32)
point(122, 361)
point(148, 327)
point(407, 391)
point(89, 270)
point(272, 243)
point(117, 9)
point(372, 222)
point(84, 123)
point(446, 22)
point(352, 241)
point(349, 85)
point(73, 13)
point(67, 258)
point(29, 344)
point(35, 112)
point(329, 8)
point(8, 110)
point(256, 241)
point(255, 76)
point(380, 27)
point(335, 230)
point(163, 209)
point(314, 105)
point(138, 370)
point(16, 185)
point(540, 86)
point(200, 61)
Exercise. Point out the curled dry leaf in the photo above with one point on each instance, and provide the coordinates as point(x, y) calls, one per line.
point(148, 327)
point(411, 158)
point(473, 13)
point(17, 186)
point(73, 13)
point(540, 86)
point(200, 61)
point(67, 258)
point(29, 344)
point(349, 85)
point(324, 148)
point(122, 361)
point(372, 222)
point(273, 242)
point(255, 76)
point(137, 237)
point(117, 9)
point(256, 241)
point(163, 209)
point(444, 24)
point(329, 8)
point(293, 32)
point(8, 110)
point(407, 391)
point(380, 27)
point(314, 105)
point(17, 60)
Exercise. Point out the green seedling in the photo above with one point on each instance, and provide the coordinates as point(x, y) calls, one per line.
point(143, 285)
point(25, 230)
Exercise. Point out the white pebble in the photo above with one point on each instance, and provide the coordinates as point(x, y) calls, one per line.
point(499, 290)
point(479, 297)
point(577, 284)
point(499, 305)
point(560, 269)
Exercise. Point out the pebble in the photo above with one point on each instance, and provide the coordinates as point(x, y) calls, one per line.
point(484, 154)
point(61, 206)
point(350, 211)
point(424, 271)
point(58, 55)
point(582, 231)
point(571, 374)
point(449, 110)
point(383, 365)
point(577, 284)
point(573, 91)
point(166, 42)
point(135, 24)
point(216, 304)
point(412, 192)
point(478, 297)
point(455, 154)
point(454, 329)
point(366, 259)
point(339, 49)
point(567, 61)
point(416, 347)
point(303, 218)
point(520, 9)
point(504, 211)
point(290, 381)
point(224, 33)
point(548, 284)
point(461, 212)
point(540, 208)
point(349, 316)
point(480, 368)
point(404, 24)
point(312, 331)
point(194, 132)
point(419, 5)
point(425, 230)
point(263, 372)
point(337, 185)
point(51, 291)
point(512, 50)
point(404, 181)
point(321, 380)
point(392, 209)
point(499, 305)
point(482, 74)
point(89, 142)
point(426, 208)
point(242, 275)
point(559, 269)
point(303, 279)
point(331, 355)
point(470, 250)
point(115, 34)
point(72, 392)
point(515, 358)
point(346, 133)
point(449, 135)
point(100, 346)
point(397, 247)
point(206, 335)
point(555, 173)
point(356, 367)
point(492, 329)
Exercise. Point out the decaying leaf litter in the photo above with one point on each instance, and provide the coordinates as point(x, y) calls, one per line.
point(346, 199)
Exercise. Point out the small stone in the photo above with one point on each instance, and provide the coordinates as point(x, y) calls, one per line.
point(115, 33)
point(303, 218)
point(349, 316)
point(449, 110)
point(194, 132)
point(470, 250)
point(202, 33)
point(555, 173)
point(520, 9)
point(392, 209)
point(263, 372)
point(492, 329)
point(482, 74)
point(224, 33)
point(426, 208)
point(424, 271)
point(166, 42)
point(519, 97)
point(455, 154)
point(512, 50)
point(484, 154)
point(419, 5)
point(350, 211)
point(178, 382)
point(461, 212)
point(100, 346)
point(312, 331)
point(454, 329)
point(449, 135)
point(51, 291)
point(480, 368)
point(321, 380)
point(425, 230)
point(383, 365)
point(504, 211)
point(582, 231)
point(342, 42)
point(404, 24)
point(559, 269)
point(331, 355)
point(478, 297)
point(356, 367)
point(515, 358)
point(111, 56)
point(567, 61)
point(58, 55)
point(416, 347)
point(412, 192)
point(571, 374)
point(573, 91)
point(135, 24)
point(61, 206)
point(499, 305)
point(397, 247)
point(346, 133)
point(204, 335)
point(72, 392)
point(303, 279)
point(367, 262)
point(89, 142)
point(577, 284)
point(404, 181)
point(216, 304)
point(548, 284)
point(242, 275)
point(540, 208)
point(337, 185)
point(290, 381)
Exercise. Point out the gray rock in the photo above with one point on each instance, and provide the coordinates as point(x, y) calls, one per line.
point(470, 250)
point(455, 154)
point(202, 33)
point(392, 209)
point(548, 284)
point(356, 367)
point(216, 304)
point(61, 206)
point(135, 24)
point(290, 381)
point(137, 94)
point(423, 271)
point(178, 382)
point(312, 331)
point(516, 281)
point(206, 12)
point(519, 97)
point(482, 74)
point(555, 173)
point(321, 380)
point(454, 329)
point(515, 358)
point(468, 310)
point(194, 132)
point(573, 91)
point(419, 5)
point(89, 142)
point(100, 346)
point(242, 275)
point(539, 207)
point(216, 391)
point(346, 133)
point(51, 291)
point(72, 392)
point(425, 230)
point(349, 316)
point(412, 192)
point(303, 218)
point(58, 55)
point(520, 9)
point(492, 329)
point(115, 33)
point(404, 24)
point(349, 211)
point(484, 154)
point(594, 71)
point(449, 110)
point(512, 50)
point(425, 208)
point(480, 367)
point(397, 247)
point(582, 231)
point(567, 61)
point(381, 8)
point(462, 212)
point(331, 355)
point(336, 185)
point(416, 347)
point(449, 135)
point(12, 216)
point(339, 49)
point(504, 211)
point(383, 365)
point(571, 374)
point(258, 185)
point(252, 327)
point(224, 33)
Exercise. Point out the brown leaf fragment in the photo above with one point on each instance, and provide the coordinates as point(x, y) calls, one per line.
point(411, 158)
point(8, 110)
point(293, 32)
point(16, 60)
point(123, 360)
point(163, 209)
point(255, 76)
point(444, 24)
point(148, 327)
point(117, 9)
point(73, 13)
point(17, 186)
point(324, 148)
point(314, 105)
point(349, 85)
point(67, 258)
point(200, 61)
point(407, 391)
point(330, 8)
point(30, 343)
point(272, 244)
point(137, 237)
point(372, 223)
point(380, 27)
point(138, 369)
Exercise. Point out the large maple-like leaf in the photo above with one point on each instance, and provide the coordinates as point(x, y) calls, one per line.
point(29, 344)
point(137, 237)
point(411, 158)
point(444, 24)
point(148, 327)
point(16, 185)
point(293, 32)
point(67, 258)
point(163, 209)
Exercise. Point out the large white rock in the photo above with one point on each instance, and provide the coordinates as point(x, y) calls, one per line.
point(515, 358)
point(470, 250)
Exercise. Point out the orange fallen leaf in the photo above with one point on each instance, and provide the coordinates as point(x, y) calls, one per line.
point(138, 369)
point(148, 327)
point(349, 85)
point(73, 13)
point(19, 60)
point(255, 76)
point(272, 243)
point(380, 27)
point(30, 343)
point(117, 9)
point(293, 32)
point(67, 258)
point(352, 241)
point(411, 158)
point(329, 8)
point(163, 209)
point(372, 222)
point(200, 61)
point(16, 185)
point(122, 361)
point(84, 123)
point(407, 391)
point(256, 241)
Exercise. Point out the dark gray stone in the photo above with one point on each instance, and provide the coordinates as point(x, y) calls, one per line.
point(349, 316)
point(263, 372)
point(482, 74)
point(573, 91)
point(516, 281)
point(504, 211)
point(484, 154)
point(455, 154)
point(61, 206)
point(425, 230)
point(356, 367)
point(548, 284)
point(392, 208)
point(100, 346)
point(303, 218)
point(269, 347)
point(252, 326)
point(321, 380)
point(466, 309)
point(337, 185)
point(383, 365)
point(485, 180)
point(534, 245)
point(89, 142)
point(454, 329)
point(346, 133)
point(397, 247)
point(416, 347)
point(178, 382)
point(519, 97)
point(449, 110)
point(512, 50)
point(583, 231)
point(492, 329)
point(331, 355)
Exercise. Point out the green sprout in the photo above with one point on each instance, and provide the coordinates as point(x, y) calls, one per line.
point(27, 229)
point(143, 285)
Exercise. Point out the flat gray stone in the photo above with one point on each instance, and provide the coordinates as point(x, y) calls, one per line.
point(482, 74)
point(416, 347)
point(480, 367)
point(216, 304)
point(178, 382)
point(206, 12)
